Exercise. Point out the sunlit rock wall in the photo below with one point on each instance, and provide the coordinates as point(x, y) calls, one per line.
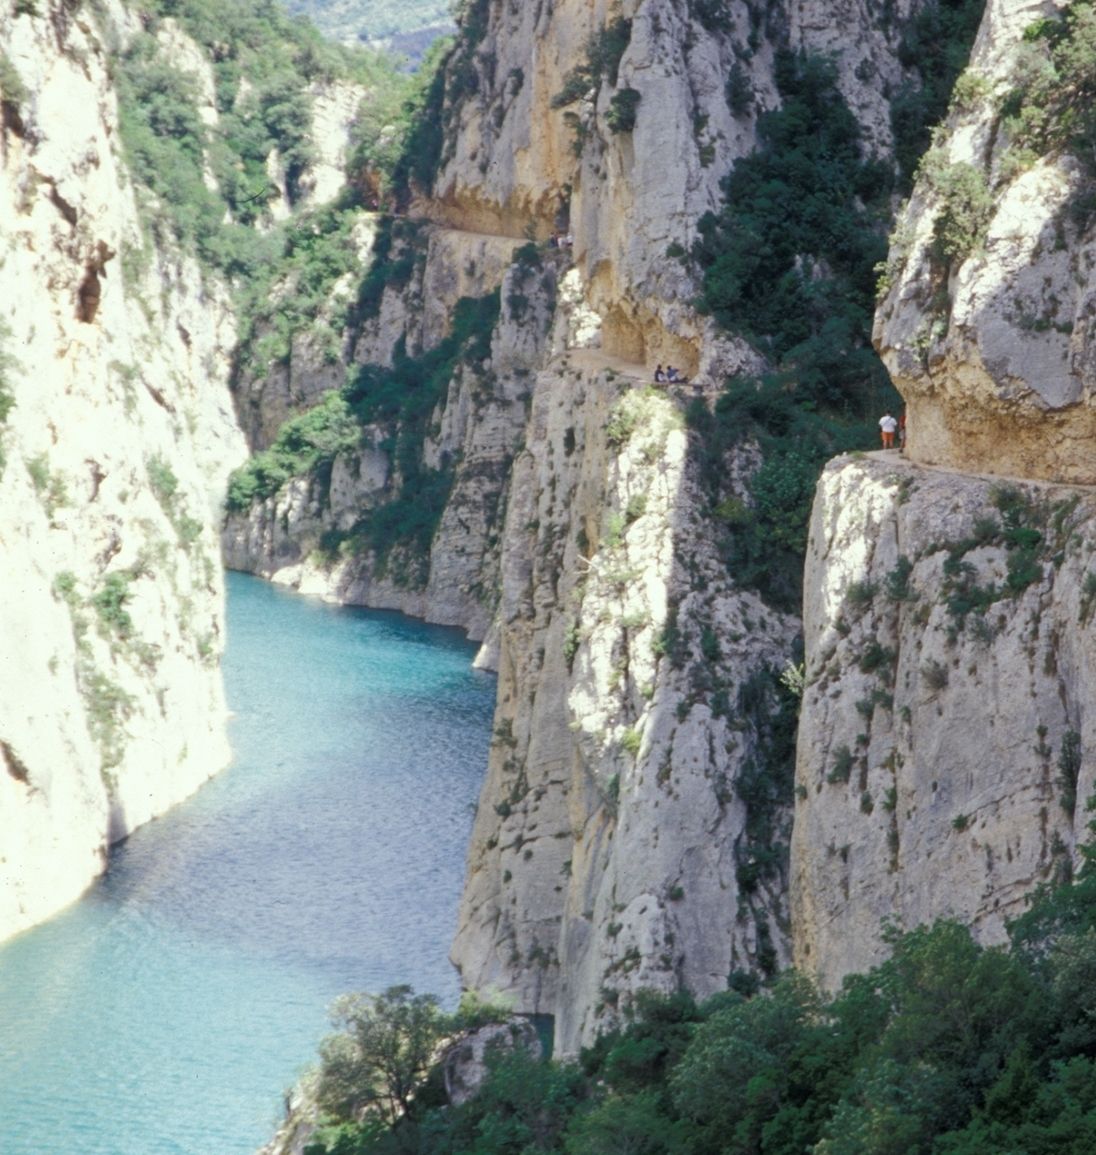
point(115, 448)
point(992, 348)
point(946, 733)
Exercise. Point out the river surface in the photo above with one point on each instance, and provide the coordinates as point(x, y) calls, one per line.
point(167, 1011)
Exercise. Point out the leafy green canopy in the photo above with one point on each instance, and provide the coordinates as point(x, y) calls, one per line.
point(801, 230)
point(948, 1048)
point(304, 443)
point(788, 263)
point(1052, 105)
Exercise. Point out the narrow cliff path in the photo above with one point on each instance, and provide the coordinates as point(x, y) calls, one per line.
point(597, 359)
point(895, 458)
point(589, 359)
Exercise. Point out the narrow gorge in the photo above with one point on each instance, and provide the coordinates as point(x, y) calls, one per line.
point(426, 382)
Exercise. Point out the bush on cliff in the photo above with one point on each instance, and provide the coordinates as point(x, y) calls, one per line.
point(788, 263)
point(303, 443)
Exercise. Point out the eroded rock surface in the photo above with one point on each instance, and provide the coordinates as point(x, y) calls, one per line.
point(117, 438)
point(944, 742)
point(990, 342)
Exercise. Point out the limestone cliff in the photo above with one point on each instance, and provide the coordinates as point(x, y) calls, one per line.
point(619, 833)
point(118, 433)
point(985, 323)
point(474, 431)
point(633, 831)
point(616, 122)
point(943, 756)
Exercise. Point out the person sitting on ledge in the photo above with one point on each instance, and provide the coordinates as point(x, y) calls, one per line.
point(659, 375)
point(671, 374)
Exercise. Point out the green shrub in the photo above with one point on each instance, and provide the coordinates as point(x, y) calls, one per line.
point(792, 251)
point(788, 263)
point(965, 212)
point(948, 1046)
point(897, 582)
point(303, 443)
point(13, 91)
point(603, 53)
point(739, 91)
point(1052, 105)
point(1069, 769)
point(381, 1055)
point(622, 110)
point(108, 706)
point(631, 741)
point(842, 765)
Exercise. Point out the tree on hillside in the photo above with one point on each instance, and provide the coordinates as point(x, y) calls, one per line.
point(382, 1053)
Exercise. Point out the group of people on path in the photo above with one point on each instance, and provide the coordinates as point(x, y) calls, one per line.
point(891, 427)
point(669, 375)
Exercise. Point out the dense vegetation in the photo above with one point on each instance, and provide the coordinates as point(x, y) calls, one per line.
point(264, 65)
point(947, 1048)
point(1052, 106)
point(935, 46)
point(402, 398)
point(789, 262)
point(211, 190)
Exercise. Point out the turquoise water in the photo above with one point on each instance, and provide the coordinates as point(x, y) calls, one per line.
point(166, 1012)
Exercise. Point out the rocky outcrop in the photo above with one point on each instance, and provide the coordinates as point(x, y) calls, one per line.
point(633, 830)
point(543, 141)
point(946, 727)
point(630, 834)
point(465, 1065)
point(117, 436)
point(474, 432)
point(986, 325)
point(943, 761)
point(613, 846)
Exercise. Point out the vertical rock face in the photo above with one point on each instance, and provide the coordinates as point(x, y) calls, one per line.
point(544, 140)
point(986, 325)
point(630, 834)
point(943, 756)
point(118, 431)
point(474, 431)
point(944, 743)
point(616, 844)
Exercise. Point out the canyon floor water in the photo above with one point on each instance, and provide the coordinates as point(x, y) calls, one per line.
point(167, 1011)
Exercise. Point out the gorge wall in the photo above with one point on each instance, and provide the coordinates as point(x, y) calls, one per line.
point(117, 435)
point(634, 828)
point(944, 755)
point(985, 324)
